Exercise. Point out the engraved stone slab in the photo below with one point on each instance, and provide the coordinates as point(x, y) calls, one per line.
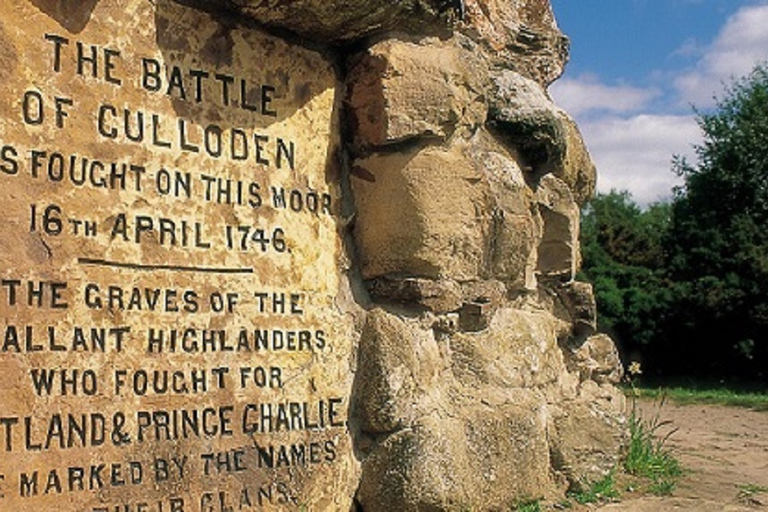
point(170, 331)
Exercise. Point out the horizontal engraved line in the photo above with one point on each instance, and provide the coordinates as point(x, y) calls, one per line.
point(178, 268)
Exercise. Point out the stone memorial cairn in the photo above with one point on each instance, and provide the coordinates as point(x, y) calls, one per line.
point(294, 255)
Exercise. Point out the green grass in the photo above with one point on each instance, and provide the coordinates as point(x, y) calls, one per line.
point(663, 486)
point(529, 506)
point(649, 465)
point(748, 492)
point(602, 490)
point(707, 395)
point(647, 456)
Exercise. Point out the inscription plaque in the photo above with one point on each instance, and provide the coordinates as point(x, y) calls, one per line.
point(169, 257)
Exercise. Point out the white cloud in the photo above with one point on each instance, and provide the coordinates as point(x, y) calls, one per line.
point(741, 43)
point(632, 151)
point(632, 148)
point(585, 94)
point(635, 154)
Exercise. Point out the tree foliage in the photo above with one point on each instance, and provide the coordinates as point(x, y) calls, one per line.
point(624, 259)
point(684, 286)
point(718, 240)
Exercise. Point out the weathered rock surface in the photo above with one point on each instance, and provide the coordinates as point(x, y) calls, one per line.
point(467, 182)
point(440, 414)
point(430, 209)
point(587, 434)
point(548, 140)
point(344, 20)
point(438, 425)
point(402, 90)
point(369, 209)
point(522, 35)
point(598, 360)
point(559, 254)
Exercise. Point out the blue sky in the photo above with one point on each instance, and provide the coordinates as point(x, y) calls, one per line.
point(637, 68)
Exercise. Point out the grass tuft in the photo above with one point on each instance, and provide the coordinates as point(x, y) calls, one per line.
point(529, 506)
point(748, 493)
point(602, 490)
point(663, 486)
point(647, 455)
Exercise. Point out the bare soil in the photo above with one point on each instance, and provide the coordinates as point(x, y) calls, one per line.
point(724, 451)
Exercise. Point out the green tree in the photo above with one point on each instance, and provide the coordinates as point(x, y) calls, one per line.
point(623, 254)
point(718, 240)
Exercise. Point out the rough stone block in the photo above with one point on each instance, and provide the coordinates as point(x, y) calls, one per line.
point(473, 457)
point(515, 223)
point(548, 140)
point(464, 212)
point(398, 364)
point(403, 90)
point(597, 360)
point(518, 349)
point(588, 435)
point(576, 168)
point(423, 213)
point(524, 38)
point(578, 301)
point(524, 116)
point(559, 252)
point(439, 296)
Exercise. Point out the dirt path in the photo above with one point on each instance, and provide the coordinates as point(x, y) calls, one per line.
point(725, 453)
